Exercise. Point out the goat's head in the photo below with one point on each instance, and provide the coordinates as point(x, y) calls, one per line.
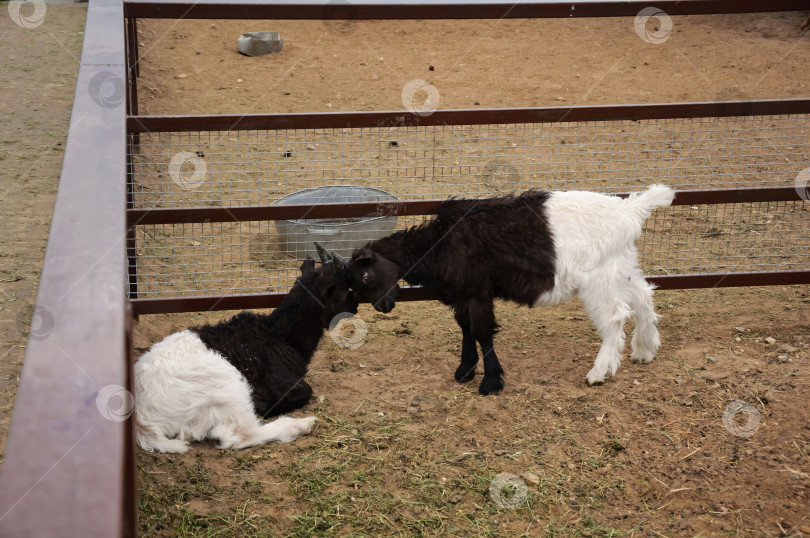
point(374, 279)
point(329, 285)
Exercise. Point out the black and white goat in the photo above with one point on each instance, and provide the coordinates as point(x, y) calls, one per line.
point(212, 381)
point(539, 248)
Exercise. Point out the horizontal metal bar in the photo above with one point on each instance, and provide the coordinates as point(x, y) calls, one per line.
point(668, 282)
point(442, 9)
point(419, 207)
point(273, 212)
point(730, 280)
point(341, 120)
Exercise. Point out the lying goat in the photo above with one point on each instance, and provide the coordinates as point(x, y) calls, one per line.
point(539, 248)
point(212, 381)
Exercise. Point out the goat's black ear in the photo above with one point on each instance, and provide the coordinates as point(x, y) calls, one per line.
point(308, 266)
point(366, 257)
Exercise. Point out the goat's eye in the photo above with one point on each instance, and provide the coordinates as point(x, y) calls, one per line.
point(365, 276)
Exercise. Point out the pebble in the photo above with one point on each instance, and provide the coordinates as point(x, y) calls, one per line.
point(787, 348)
point(531, 478)
point(182, 75)
point(711, 359)
point(740, 329)
point(636, 382)
point(239, 80)
point(737, 339)
point(771, 340)
point(783, 358)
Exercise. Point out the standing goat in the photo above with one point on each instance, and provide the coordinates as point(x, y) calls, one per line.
point(212, 381)
point(539, 248)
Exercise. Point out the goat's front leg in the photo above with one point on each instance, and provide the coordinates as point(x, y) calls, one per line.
point(296, 397)
point(483, 327)
point(493, 373)
point(469, 353)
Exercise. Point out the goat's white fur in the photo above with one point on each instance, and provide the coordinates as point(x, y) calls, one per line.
point(185, 391)
point(596, 260)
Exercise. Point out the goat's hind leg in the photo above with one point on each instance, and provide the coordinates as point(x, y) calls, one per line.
point(469, 352)
point(607, 311)
point(645, 340)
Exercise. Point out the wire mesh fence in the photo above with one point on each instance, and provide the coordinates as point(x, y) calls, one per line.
point(259, 167)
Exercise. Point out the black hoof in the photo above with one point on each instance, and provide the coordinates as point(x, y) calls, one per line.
point(465, 373)
point(490, 385)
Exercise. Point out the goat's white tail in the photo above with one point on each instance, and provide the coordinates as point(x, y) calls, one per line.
point(654, 196)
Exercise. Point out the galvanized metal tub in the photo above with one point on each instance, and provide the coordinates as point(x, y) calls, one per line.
point(340, 235)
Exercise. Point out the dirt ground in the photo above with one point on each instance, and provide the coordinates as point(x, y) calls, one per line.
point(400, 448)
point(38, 68)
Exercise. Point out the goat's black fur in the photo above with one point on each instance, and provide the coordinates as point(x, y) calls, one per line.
point(472, 252)
point(273, 351)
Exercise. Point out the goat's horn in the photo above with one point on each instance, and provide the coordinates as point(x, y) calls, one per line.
point(325, 256)
point(343, 261)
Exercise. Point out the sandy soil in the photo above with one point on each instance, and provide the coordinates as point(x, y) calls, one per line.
point(38, 70)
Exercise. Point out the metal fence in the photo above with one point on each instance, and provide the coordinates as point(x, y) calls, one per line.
point(190, 178)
